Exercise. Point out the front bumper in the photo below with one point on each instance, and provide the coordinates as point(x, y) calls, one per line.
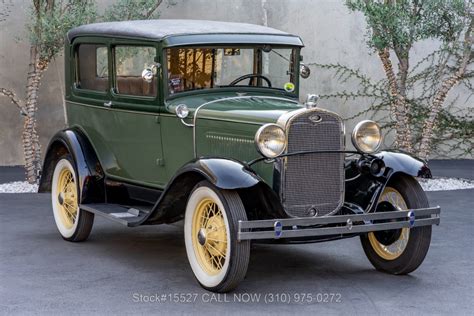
point(338, 224)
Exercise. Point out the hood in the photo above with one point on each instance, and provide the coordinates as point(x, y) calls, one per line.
point(247, 108)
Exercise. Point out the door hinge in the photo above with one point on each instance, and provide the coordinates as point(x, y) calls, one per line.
point(160, 162)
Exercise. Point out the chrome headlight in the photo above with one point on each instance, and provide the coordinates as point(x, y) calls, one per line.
point(367, 136)
point(270, 140)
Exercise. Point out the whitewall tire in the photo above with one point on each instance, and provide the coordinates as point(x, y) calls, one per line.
point(73, 224)
point(219, 262)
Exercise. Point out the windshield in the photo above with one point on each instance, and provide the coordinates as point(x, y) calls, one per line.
point(205, 68)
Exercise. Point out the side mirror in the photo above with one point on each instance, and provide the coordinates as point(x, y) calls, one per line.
point(149, 72)
point(305, 72)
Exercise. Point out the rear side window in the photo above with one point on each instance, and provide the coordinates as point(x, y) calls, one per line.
point(130, 62)
point(92, 67)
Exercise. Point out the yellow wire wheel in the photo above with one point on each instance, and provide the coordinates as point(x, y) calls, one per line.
point(218, 260)
point(209, 236)
point(72, 223)
point(66, 199)
point(396, 248)
point(398, 251)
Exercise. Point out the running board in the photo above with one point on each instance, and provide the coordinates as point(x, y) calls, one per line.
point(126, 215)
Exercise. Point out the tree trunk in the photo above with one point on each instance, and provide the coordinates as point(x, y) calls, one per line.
point(31, 144)
point(399, 108)
point(442, 93)
point(430, 123)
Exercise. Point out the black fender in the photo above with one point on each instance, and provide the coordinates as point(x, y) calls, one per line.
point(404, 163)
point(225, 174)
point(364, 189)
point(88, 168)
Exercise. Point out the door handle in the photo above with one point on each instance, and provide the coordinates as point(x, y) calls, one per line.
point(108, 104)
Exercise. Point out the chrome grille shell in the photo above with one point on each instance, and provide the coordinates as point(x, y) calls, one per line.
point(312, 183)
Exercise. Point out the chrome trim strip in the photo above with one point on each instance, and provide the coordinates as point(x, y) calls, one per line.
point(104, 108)
point(349, 224)
point(186, 124)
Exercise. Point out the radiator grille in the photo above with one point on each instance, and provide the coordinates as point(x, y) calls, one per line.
point(313, 182)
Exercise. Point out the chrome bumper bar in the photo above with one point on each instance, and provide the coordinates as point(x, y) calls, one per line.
point(344, 224)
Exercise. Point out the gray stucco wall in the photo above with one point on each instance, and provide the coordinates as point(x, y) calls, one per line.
point(331, 34)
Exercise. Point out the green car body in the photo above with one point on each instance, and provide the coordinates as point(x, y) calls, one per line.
point(150, 119)
point(225, 129)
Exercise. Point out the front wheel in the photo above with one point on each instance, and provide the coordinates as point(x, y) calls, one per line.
point(399, 251)
point(219, 261)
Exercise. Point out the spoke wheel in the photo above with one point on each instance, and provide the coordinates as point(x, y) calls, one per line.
point(67, 197)
point(390, 244)
point(210, 236)
point(218, 260)
point(72, 223)
point(399, 251)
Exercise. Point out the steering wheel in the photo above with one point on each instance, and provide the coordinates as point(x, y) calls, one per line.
point(251, 78)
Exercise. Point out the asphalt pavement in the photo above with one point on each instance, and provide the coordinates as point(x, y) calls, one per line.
point(123, 270)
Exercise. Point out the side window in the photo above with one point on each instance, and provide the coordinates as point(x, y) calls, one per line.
point(130, 62)
point(92, 71)
point(190, 69)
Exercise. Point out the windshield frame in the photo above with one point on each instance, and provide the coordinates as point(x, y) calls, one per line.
point(237, 88)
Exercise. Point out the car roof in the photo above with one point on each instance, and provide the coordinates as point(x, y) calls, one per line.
point(167, 29)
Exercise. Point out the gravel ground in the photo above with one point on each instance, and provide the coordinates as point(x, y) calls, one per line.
point(18, 187)
point(445, 184)
point(440, 184)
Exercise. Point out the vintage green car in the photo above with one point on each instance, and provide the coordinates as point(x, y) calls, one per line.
point(200, 120)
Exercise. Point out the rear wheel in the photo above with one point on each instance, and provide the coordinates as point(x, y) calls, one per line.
point(399, 251)
point(218, 260)
point(73, 223)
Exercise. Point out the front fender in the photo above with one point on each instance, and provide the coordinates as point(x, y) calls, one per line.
point(364, 189)
point(404, 163)
point(225, 174)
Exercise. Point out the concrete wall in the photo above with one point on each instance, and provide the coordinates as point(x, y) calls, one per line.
point(331, 34)
point(14, 58)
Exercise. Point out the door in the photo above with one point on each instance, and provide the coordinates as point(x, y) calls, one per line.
point(135, 139)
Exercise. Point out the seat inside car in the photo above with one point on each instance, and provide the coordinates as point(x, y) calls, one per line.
point(135, 86)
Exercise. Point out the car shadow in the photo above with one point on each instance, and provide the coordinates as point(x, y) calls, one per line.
point(158, 252)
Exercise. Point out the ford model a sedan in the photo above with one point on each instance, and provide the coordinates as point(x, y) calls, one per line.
point(199, 120)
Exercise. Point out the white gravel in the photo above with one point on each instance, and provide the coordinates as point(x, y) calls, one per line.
point(438, 184)
point(18, 187)
point(446, 184)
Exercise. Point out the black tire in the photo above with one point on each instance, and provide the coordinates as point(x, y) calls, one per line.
point(419, 238)
point(82, 224)
point(234, 267)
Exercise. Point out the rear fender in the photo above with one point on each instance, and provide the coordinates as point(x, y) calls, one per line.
point(88, 168)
